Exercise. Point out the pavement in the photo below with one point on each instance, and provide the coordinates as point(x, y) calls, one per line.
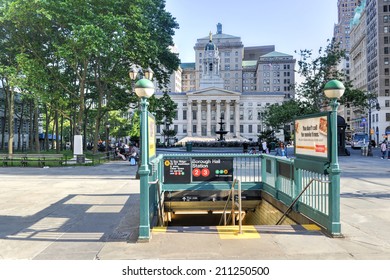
point(92, 212)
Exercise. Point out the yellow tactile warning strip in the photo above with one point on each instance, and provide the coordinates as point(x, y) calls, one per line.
point(311, 227)
point(232, 232)
point(159, 229)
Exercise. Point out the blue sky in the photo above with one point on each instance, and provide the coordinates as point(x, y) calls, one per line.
point(288, 24)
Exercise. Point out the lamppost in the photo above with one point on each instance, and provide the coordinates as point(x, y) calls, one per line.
point(144, 89)
point(107, 139)
point(334, 90)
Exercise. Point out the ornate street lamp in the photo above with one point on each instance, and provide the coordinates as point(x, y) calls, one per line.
point(334, 90)
point(144, 89)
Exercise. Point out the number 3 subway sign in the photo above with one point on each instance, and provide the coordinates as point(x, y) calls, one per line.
point(183, 171)
point(311, 136)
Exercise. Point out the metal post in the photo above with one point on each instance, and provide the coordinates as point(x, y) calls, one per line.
point(144, 227)
point(369, 147)
point(239, 208)
point(334, 170)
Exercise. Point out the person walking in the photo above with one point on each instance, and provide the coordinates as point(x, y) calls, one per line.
point(388, 149)
point(383, 149)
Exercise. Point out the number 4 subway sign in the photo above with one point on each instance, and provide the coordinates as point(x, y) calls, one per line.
point(214, 169)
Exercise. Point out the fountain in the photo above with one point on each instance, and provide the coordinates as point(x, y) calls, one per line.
point(221, 132)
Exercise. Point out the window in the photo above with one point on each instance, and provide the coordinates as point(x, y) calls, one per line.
point(184, 114)
point(250, 115)
point(184, 128)
point(250, 128)
point(176, 115)
point(386, 61)
point(387, 103)
point(388, 117)
point(386, 40)
point(241, 114)
point(241, 128)
point(194, 115)
point(194, 128)
point(386, 50)
point(231, 128)
point(175, 128)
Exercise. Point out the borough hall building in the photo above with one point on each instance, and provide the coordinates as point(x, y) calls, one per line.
point(228, 81)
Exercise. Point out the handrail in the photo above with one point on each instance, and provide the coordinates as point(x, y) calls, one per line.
point(231, 194)
point(227, 201)
point(298, 197)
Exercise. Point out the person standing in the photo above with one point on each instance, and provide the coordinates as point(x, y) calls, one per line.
point(383, 149)
point(281, 150)
point(264, 145)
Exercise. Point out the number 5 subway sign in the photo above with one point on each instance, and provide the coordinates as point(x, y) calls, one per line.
point(312, 136)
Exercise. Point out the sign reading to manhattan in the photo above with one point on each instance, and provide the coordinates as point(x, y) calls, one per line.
point(312, 136)
point(212, 169)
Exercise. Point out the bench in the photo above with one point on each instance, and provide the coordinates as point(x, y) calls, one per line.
point(25, 159)
point(42, 159)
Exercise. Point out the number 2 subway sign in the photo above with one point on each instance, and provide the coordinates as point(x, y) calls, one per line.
point(312, 136)
point(212, 169)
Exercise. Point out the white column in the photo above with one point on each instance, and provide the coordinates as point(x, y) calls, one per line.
point(218, 112)
point(237, 118)
point(208, 117)
point(199, 117)
point(227, 116)
point(189, 118)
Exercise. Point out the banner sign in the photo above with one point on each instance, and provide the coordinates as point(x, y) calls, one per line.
point(312, 136)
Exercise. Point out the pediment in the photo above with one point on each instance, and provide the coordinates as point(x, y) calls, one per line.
point(213, 92)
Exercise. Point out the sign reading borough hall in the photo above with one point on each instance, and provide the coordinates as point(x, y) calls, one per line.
point(312, 136)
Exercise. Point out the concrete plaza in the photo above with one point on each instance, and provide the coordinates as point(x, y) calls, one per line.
point(86, 213)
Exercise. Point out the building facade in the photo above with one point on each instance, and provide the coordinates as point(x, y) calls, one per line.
point(371, 64)
point(232, 82)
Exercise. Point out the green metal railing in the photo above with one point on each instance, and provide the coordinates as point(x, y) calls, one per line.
point(278, 176)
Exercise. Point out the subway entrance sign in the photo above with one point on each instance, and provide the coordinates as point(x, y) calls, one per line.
point(215, 169)
point(177, 171)
point(188, 170)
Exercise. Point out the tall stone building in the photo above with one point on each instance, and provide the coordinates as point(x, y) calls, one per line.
point(371, 65)
point(233, 82)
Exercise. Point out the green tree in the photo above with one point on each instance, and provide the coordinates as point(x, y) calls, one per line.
point(83, 49)
point(279, 115)
point(318, 71)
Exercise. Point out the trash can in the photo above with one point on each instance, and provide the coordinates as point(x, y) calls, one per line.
point(189, 146)
point(80, 158)
point(364, 151)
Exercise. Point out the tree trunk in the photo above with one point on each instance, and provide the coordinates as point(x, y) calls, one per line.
point(36, 127)
point(10, 120)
